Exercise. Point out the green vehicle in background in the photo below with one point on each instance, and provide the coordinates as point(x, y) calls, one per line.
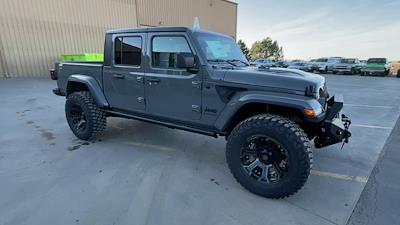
point(376, 66)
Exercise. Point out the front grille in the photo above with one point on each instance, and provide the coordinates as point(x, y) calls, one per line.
point(375, 68)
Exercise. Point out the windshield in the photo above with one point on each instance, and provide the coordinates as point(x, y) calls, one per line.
point(322, 60)
point(377, 60)
point(348, 61)
point(217, 47)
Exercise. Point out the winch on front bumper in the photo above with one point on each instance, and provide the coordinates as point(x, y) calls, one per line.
point(334, 128)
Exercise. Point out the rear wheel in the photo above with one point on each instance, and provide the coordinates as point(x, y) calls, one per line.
point(269, 155)
point(398, 73)
point(84, 117)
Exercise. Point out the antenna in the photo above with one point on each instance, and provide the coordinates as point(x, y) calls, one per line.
point(196, 23)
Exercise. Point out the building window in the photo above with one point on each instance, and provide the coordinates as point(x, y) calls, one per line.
point(166, 49)
point(128, 51)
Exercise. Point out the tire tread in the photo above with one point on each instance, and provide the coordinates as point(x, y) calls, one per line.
point(96, 115)
point(283, 126)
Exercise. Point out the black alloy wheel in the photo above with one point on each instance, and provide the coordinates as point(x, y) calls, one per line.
point(78, 118)
point(264, 159)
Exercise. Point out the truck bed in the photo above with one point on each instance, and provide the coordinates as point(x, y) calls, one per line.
point(65, 70)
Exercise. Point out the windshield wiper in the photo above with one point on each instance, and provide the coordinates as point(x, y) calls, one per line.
point(238, 60)
point(229, 61)
point(222, 61)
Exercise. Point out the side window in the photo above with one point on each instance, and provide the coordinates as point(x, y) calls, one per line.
point(165, 50)
point(128, 51)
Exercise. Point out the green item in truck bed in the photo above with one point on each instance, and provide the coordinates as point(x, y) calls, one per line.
point(83, 57)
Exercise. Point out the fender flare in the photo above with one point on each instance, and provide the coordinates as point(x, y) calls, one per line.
point(278, 99)
point(93, 86)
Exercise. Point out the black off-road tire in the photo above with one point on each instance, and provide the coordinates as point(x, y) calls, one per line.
point(290, 136)
point(96, 120)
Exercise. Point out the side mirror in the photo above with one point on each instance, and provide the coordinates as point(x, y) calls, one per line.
point(185, 60)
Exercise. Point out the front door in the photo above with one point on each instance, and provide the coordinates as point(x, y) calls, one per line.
point(124, 79)
point(171, 92)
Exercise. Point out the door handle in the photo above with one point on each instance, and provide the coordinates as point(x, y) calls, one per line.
point(119, 76)
point(139, 79)
point(153, 81)
point(196, 84)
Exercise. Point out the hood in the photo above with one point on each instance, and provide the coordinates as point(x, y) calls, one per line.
point(276, 79)
point(374, 65)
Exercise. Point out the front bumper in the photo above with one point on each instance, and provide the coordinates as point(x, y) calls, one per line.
point(342, 70)
point(335, 128)
point(373, 72)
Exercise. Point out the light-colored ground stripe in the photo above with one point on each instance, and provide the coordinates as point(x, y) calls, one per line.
point(369, 126)
point(369, 106)
point(157, 147)
point(357, 179)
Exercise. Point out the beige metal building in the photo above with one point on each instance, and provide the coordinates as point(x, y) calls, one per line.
point(33, 33)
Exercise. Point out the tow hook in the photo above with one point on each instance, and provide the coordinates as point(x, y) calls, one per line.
point(347, 134)
point(333, 132)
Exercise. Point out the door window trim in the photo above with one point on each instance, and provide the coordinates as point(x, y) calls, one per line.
point(168, 35)
point(142, 42)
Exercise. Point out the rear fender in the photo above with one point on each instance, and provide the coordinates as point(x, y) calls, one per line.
point(75, 82)
point(277, 99)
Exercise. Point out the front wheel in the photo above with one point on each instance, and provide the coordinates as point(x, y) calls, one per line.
point(269, 155)
point(84, 117)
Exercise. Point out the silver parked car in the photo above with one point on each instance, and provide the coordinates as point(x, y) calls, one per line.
point(300, 66)
point(263, 63)
point(347, 66)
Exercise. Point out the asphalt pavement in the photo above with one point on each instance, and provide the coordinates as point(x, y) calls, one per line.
point(139, 173)
point(379, 202)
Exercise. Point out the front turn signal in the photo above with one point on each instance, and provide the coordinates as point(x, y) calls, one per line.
point(310, 113)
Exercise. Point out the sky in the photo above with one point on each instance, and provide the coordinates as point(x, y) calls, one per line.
point(309, 29)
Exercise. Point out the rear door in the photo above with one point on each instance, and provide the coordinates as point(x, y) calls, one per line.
point(171, 92)
point(123, 81)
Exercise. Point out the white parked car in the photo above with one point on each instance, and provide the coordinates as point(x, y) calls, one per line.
point(324, 65)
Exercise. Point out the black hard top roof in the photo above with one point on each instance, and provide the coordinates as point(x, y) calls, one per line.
point(149, 29)
point(160, 29)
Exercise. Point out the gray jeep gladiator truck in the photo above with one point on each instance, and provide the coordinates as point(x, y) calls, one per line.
point(201, 82)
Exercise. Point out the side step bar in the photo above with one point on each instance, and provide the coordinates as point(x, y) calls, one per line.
point(169, 125)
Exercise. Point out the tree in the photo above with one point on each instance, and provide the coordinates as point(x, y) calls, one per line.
point(266, 48)
point(244, 49)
